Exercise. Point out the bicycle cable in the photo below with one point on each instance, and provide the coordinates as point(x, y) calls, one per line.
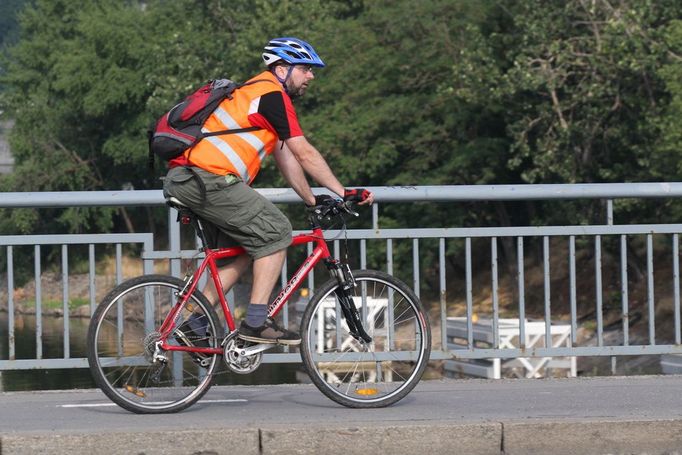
point(190, 264)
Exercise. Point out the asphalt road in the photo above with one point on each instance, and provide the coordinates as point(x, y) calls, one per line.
point(479, 411)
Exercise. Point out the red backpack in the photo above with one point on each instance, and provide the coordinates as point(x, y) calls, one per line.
point(180, 128)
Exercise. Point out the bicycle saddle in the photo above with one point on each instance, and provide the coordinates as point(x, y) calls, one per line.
point(176, 203)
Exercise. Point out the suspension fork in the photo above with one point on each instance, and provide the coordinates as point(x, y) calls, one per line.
point(346, 281)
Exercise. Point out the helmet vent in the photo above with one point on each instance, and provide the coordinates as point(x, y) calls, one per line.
point(293, 51)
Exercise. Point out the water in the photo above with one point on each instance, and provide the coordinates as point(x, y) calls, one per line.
point(79, 378)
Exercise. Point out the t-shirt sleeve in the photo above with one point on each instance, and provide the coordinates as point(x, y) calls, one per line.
point(276, 113)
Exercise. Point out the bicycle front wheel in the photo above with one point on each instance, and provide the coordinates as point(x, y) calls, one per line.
point(122, 346)
point(361, 374)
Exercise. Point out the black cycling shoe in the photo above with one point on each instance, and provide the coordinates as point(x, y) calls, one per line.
point(269, 332)
point(187, 336)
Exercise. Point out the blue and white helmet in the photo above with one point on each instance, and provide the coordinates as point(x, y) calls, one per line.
point(292, 50)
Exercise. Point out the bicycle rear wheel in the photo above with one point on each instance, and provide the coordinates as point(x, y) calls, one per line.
point(122, 340)
point(355, 373)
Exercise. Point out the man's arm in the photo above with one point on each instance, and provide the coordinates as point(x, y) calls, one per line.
point(313, 163)
point(293, 173)
point(276, 112)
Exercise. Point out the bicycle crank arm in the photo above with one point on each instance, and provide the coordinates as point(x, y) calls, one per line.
point(251, 350)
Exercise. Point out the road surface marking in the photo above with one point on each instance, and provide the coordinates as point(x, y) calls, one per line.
point(98, 405)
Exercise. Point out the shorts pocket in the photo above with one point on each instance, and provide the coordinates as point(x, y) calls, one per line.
point(272, 226)
point(175, 184)
point(179, 177)
point(243, 217)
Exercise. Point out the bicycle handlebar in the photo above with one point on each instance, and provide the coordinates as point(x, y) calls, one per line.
point(331, 208)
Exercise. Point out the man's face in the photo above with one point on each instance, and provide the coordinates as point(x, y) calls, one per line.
point(298, 80)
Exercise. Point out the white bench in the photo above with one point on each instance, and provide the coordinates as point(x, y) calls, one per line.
point(508, 334)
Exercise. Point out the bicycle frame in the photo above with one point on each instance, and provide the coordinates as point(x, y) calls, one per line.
point(320, 252)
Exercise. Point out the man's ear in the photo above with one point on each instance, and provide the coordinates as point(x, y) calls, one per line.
point(280, 71)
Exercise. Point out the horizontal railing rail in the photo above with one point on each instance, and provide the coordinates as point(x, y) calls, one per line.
point(443, 193)
point(580, 302)
point(63, 241)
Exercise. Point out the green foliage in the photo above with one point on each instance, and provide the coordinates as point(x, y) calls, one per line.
point(51, 305)
point(415, 92)
point(581, 85)
point(8, 22)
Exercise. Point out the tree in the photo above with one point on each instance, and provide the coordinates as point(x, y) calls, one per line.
point(414, 93)
point(88, 78)
point(8, 20)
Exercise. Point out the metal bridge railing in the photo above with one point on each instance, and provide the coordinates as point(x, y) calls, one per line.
point(63, 241)
point(592, 253)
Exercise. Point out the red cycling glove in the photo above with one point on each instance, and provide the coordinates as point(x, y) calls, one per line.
point(355, 194)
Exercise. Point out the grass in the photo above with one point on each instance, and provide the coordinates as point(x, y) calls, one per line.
point(52, 304)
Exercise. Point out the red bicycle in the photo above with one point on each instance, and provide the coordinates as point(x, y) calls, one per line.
point(365, 339)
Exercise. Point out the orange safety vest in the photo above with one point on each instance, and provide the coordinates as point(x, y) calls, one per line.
point(239, 153)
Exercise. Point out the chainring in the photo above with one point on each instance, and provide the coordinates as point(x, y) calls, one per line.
point(237, 362)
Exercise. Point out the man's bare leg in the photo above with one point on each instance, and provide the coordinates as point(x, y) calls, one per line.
point(256, 327)
point(228, 277)
point(266, 271)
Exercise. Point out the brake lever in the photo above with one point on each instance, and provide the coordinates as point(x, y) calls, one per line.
point(333, 208)
point(346, 206)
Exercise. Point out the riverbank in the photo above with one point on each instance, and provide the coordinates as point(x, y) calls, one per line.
point(52, 294)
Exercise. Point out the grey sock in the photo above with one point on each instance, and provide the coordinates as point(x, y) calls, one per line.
point(256, 315)
point(198, 323)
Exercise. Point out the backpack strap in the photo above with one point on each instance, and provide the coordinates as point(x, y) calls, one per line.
point(201, 136)
point(150, 131)
point(150, 138)
point(255, 81)
point(202, 186)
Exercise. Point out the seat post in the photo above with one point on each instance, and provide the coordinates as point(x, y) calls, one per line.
point(199, 228)
point(187, 216)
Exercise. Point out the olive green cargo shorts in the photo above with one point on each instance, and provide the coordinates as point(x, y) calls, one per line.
point(233, 212)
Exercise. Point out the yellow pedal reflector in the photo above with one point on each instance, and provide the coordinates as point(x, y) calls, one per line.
point(135, 391)
point(367, 391)
point(189, 307)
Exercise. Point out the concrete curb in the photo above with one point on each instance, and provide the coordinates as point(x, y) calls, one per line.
point(508, 438)
point(482, 438)
point(235, 441)
point(602, 437)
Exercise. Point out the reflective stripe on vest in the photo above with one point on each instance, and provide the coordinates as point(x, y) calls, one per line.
point(230, 154)
point(239, 153)
point(231, 124)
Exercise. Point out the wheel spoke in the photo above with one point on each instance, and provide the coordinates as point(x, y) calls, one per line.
point(381, 372)
point(121, 348)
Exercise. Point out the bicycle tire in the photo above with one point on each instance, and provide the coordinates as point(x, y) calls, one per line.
point(373, 375)
point(120, 344)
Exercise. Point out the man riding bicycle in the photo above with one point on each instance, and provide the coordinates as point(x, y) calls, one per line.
point(214, 176)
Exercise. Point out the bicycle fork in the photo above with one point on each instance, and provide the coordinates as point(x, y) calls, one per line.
point(350, 313)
